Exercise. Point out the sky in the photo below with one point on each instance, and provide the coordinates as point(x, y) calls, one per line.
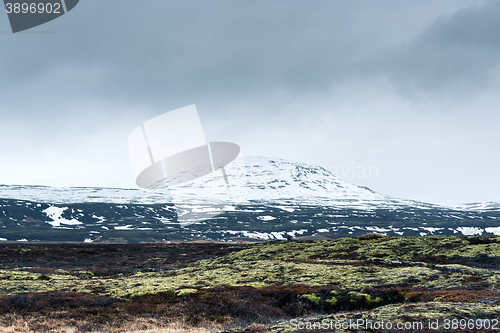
point(400, 96)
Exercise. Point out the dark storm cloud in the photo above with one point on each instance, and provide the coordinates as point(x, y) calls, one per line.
point(147, 49)
point(176, 52)
point(458, 54)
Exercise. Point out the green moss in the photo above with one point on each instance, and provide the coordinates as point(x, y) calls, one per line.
point(345, 275)
point(320, 263)
point(362, 299)
point(332, 301)
point(185, 291)
point(388, 248)
point(316, 300)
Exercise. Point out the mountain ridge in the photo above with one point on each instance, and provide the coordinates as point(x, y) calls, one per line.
point(285, 199)
point(268, 180)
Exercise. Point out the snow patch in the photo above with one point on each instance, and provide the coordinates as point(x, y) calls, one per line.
point(266, 218)
point(377, 229)
point(285, 208)
point(494, 230)
point(251, 234)
point(127, 227)
point(469, 231)
point(432, 229)
point(55, 214)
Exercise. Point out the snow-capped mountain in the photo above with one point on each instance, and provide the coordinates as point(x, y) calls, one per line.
point(283, 199)
point(277, 180)
point(267, 180)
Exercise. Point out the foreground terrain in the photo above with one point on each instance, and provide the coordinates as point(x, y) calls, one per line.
point(278, 286)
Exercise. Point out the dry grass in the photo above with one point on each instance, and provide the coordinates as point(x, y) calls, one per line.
point(373, 235)
point(143, 325)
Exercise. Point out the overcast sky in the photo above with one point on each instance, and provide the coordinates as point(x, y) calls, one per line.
point(409, 90)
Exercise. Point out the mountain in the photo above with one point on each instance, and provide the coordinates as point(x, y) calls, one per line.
point(268, 180)
point(284, 199)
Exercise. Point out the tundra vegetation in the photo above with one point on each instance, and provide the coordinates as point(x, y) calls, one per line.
point(263, 287)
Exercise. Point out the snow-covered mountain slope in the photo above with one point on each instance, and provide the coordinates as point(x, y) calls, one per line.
point(280, 180)
point(479, 206)
point(268, 180)
point(68, 195)
point(284, 199)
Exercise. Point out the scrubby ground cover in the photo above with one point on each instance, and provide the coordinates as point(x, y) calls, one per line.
point(270, 286)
